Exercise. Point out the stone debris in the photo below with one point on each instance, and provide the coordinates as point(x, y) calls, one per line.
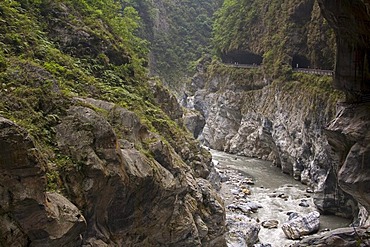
point(270, 224)
point(304, 203)
point(300, 225)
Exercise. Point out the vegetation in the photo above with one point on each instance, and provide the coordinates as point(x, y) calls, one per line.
point(179, 33)
point(53, 51)
point(283, 32)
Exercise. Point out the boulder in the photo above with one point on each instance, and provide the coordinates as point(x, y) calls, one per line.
point(131, 199)
point(270, 224)
point(342, 237)
point(29, 216)
point(298, 226)
point(243, 231)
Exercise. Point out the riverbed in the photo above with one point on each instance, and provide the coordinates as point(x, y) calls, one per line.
point(248, 181)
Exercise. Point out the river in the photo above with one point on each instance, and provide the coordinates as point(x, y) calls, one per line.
point(274, 192)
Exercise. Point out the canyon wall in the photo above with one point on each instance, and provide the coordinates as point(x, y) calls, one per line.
point(349, 132)
point(282, 121)
point(93, 152)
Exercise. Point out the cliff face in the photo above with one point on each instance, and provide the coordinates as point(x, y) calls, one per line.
point(281, 33)
point(93, 152)
point(349, 133)
point(277, 122)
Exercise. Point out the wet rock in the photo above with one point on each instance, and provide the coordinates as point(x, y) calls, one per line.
point(309, 190)
point(282, 196)
point(304, 203)
point(243, 231)
point(270, 224)
point(245, 207)
point(343, 237)
point(298, 226)
point(262, 245)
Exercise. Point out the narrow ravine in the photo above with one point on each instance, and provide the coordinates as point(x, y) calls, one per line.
point(255, 192)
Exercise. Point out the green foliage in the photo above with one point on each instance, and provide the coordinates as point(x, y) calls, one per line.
point(277, 30)
point(179, 33)
point(53, 51)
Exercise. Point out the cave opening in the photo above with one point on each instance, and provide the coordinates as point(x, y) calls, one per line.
point(300, 61)
point(241, 57)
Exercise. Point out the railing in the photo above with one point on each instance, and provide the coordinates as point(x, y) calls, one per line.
point(301, 70)
point(238, 65)
point(314, 71)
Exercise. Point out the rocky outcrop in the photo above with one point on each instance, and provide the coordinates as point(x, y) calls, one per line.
point(131, 199)
point(348, 133)
point(29, 216)
point(350, 21)
point(300, 225)
point(343, 237)
point(249, 116)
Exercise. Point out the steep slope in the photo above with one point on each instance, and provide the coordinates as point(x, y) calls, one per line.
point(348, 133)
point(79, 117)
point(284, 34)
point(280, 121)
point(179, 33)
point(270, 111)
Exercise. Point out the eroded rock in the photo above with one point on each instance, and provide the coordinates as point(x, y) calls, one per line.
point(28, 215)
point(298, 226)
point(130, 199)
point(342, 237)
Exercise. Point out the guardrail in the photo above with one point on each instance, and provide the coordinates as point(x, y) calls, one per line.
point(238, 65)
point(301, 70)
point(314, 71)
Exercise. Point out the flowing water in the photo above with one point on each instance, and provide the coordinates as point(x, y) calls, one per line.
point(275, 192)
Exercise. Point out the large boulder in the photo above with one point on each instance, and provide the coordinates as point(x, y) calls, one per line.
point(132, 199)
point(342, 237)
point(349, 135)
point(29, 216)
point(243, 230)
point(300, 225)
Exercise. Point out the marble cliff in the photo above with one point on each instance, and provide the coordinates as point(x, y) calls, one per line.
point(316, 134)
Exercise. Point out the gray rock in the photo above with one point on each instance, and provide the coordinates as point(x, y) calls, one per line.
point(342, 237)
point(287, 132)
point(304, 203)
point(133, 200)
point(298, 226)
point(270, 224)
point(243, 231)
point(194, 122)
point(28, 215)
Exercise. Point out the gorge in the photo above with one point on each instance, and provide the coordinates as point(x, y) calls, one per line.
point(95, 150)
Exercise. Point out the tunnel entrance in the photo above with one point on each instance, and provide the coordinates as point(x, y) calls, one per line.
point(241, 57)
point(300, 61)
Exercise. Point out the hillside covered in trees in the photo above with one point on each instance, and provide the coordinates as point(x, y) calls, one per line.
point(281, 34)
point(93, 151)
point(179, 33)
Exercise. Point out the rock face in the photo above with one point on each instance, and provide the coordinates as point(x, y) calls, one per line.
point(28, 215)
point(249, 116)
point(131, 199)
point(344, 237)
point(350, 21)
point(349, 135)
point(349, 132)
point(298, 226)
